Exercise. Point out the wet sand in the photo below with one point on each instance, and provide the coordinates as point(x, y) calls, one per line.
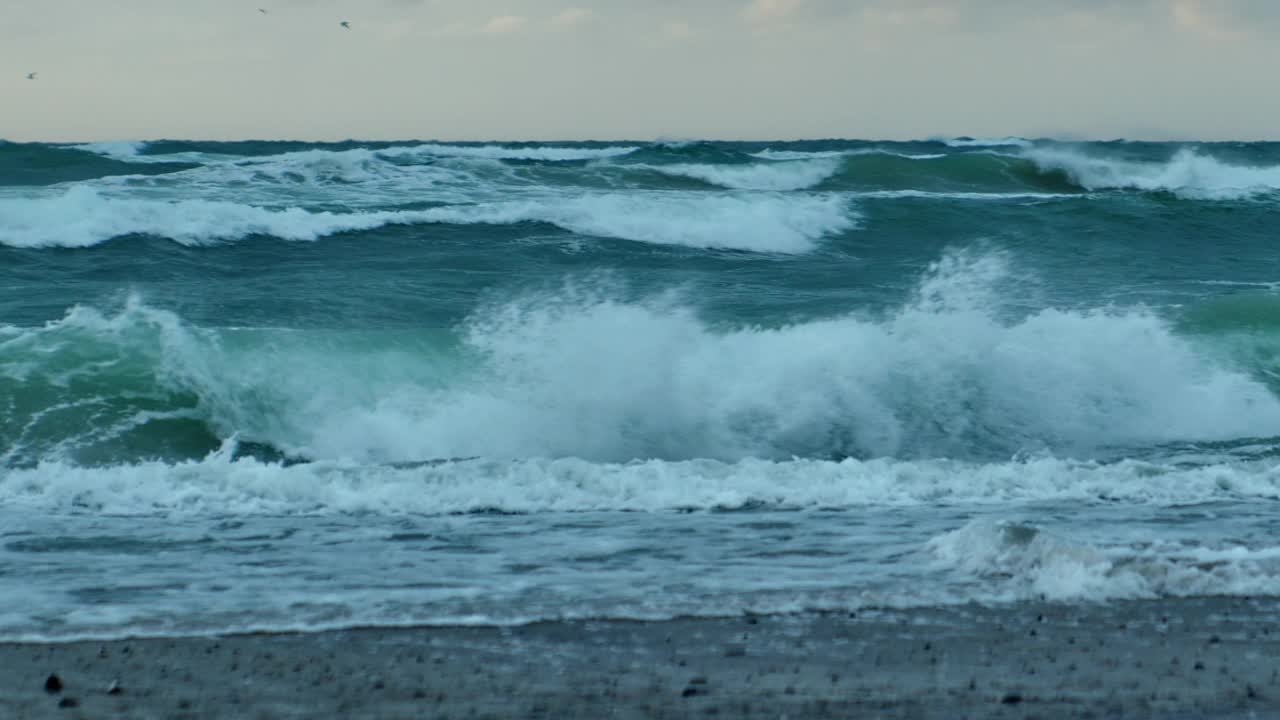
point(1214, 658)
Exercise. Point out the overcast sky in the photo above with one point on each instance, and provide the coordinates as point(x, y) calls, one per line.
point(638, 69)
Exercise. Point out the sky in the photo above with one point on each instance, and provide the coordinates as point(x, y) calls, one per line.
point(638, 69)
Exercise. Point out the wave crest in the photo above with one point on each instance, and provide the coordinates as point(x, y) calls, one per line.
point(1188, 174)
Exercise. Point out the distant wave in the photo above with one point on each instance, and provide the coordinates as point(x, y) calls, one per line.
point(1188, 174)
point(777, 176)
point(357, 177)
point(82, 217)
point(816, 154)
point(115, 149)
point(798, 155)
point(507, 152)
point(966, 142)
point(131, 150)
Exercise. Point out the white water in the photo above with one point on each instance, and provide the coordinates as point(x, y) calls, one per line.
point(219, 485)
point(1018, 562)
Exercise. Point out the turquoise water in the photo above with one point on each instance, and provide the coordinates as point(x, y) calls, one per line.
point(874, 373)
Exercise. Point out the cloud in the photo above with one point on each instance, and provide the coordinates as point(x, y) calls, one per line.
point(763, 11)
point(905, 15)
point(570, 17)
point(1218, 21)
point(676, 29)
point(504, 24)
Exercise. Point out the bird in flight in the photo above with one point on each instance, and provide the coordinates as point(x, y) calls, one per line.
point(345, 24)
point(31, 76)
point(264, 12)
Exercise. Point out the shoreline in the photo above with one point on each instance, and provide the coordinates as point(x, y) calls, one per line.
point(1202, 657)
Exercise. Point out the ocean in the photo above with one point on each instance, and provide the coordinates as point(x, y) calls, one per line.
point(268, 386)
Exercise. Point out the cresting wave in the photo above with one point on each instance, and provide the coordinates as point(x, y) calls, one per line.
point(83, 217)
point(580, 375)
point(132, 150)
point(1188, 174)
point(114, 149)
point(777, 176)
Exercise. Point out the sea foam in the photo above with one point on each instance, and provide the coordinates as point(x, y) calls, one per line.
point(219, 484)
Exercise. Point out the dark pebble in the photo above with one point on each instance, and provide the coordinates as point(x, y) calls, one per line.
point(1199, 665)
point(1215, 640)
point(379, 685)
point(53, 684)
point(690, 691)
point(1011, 699)
point(68, 702)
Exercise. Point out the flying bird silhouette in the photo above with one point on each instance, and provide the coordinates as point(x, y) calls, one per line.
point(345, 24)
point(264, 12)
point(31, 76)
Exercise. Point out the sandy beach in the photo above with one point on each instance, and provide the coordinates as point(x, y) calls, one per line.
point(1162, 659)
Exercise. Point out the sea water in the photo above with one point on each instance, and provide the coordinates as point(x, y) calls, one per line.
point(285, 385)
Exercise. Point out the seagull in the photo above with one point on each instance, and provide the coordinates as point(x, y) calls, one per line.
point(31, 76)
point(345, 24)
point(264, 12)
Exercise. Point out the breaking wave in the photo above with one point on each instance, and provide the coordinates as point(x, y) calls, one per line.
point(579, 375)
